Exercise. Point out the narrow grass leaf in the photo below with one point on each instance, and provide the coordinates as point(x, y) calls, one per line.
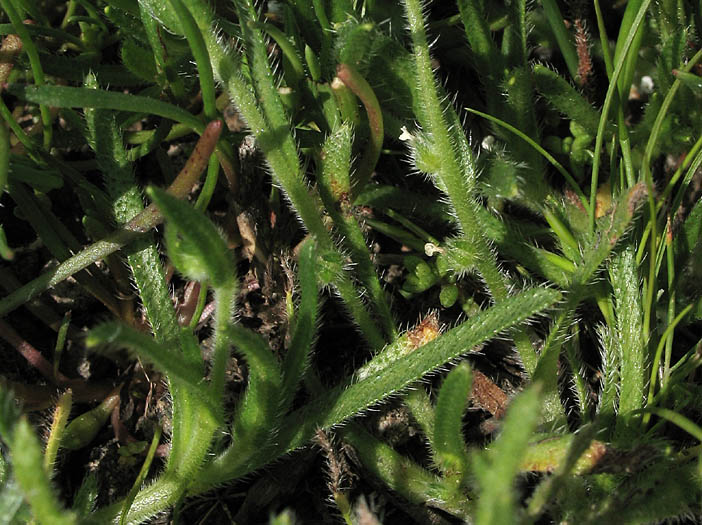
point(73, 97)
point(550, 158)
point(136, 487)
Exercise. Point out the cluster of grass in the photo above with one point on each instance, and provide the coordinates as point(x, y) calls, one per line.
point(548, 209)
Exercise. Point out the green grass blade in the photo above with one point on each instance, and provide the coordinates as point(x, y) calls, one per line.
point(202, 59)
point(31, 49)
point(72, 97)
point(564, 40)
point(620, 61)
point(566, 175)
point(136, 487)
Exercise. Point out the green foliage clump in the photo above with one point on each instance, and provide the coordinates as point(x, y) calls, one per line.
point(564, 225)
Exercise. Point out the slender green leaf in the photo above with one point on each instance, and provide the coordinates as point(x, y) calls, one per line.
point(298, 357)
point(448, 443)
point(72, 97)
point(195, 246)
point(496, 469)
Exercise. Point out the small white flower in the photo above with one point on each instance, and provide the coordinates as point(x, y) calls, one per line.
point(405, 135)
point(488, 143)
point(646, 85)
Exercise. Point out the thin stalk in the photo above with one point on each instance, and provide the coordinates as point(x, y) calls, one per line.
point(655, 366)
point(34, 63)
point(550, 158)
point(565, 44)
point(609, 99)
point(202, 58)
point(670, 260)
point(647, 176)
point(138, 482)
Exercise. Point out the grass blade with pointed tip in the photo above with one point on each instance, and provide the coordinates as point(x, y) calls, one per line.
point(73, 97)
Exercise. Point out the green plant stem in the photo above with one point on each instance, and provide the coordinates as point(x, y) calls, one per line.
point(136, 487)
point(670, 263)
point(655, 365)
point(202, 59)
point(457, 175)
point(604, 40)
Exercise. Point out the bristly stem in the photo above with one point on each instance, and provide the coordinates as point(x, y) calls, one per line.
point(457, 172)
